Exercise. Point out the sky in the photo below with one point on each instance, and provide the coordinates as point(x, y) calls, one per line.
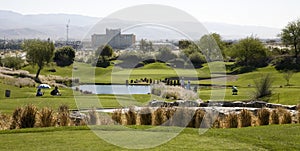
point(270, 13)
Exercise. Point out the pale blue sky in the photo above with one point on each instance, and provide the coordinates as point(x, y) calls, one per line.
point(271, 13)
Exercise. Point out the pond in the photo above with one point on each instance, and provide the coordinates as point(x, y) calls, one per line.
point(116, 89)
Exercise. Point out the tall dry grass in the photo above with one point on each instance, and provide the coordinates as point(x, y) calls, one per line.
point(169, 113)
point(285, 116)
point(93, 117)
point(46, 117)
point(63, 116)
point(16, 118)
point(298, 110)
point(145, 116)
point(28, 116)
point(5, 121)
point(263, 116)
point(274, 117)
point(182, 117)
point(158, 116)
point(232, 120)
point(131, 116)
point(117, 116)
point(210, 119)
point(199, 115)
point(245, 118)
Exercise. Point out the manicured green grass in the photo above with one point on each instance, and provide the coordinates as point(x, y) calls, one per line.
point(272, 137)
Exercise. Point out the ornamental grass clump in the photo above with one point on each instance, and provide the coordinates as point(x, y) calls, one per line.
point(199, 115)
point(285, 116)
point(46, 117)
point(93, 117)
point(117, 116)
point(232, 120)
point(263, 116)
point(131, 116)
point(159, 116)
point(182, 117)
point(28, 116)
point(145, 116)
point(274, 117)
point(63, 117)
point(245, 118)
point(5, 121)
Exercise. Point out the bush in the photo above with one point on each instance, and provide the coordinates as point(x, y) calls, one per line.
point(93, 118)
point(117, 116)
point(232, 120)
point(13, 62)
point(284, 116)
point(145, 116)
point(169, 113)
point(158, 116)
point(274, 117)
point(16, 118)
point(46, 117)
point(298, 109)
point(245, 118)
point(199, 115)
point(263, 116)
point(263, 86)
point(131, 116)
point(182, 117)
point(28, 117)
point(165, 54)
point(5, 121)
point(63, 115)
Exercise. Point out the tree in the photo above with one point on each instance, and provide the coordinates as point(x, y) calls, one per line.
point(183, 44)
point(165, 54)
point(104, 51)
point(250, 52)
point(290, 35)
point(210, 48)
point(287, 75)
point(39, 53)
point(64, 56)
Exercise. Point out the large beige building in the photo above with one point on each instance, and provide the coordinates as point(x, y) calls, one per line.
point(114, 38)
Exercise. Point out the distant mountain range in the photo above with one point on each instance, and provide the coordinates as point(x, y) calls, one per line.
point(17, 26)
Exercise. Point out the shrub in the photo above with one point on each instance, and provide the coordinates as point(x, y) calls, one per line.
point(145, 116)
point(245, 118)
point(46, 117)
point(158, 116)
point(263, 116)
point(169, 113)
point(117, 116)
point(16, 117)
point(209, 119)
point(182, 117)
point(93, 118)
point(284, 116)
point(4, 121)
point(131, 116)
point(232, 120)
point(298, 109)
point(63, 115)
point(12, 62)
point(28, 116)
point(199, 115)
point(274, 117)
point(263, 86)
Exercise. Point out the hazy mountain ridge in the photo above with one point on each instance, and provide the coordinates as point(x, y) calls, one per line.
point(17, 26)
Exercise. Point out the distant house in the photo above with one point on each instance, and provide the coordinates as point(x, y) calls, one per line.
point(114, 38)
